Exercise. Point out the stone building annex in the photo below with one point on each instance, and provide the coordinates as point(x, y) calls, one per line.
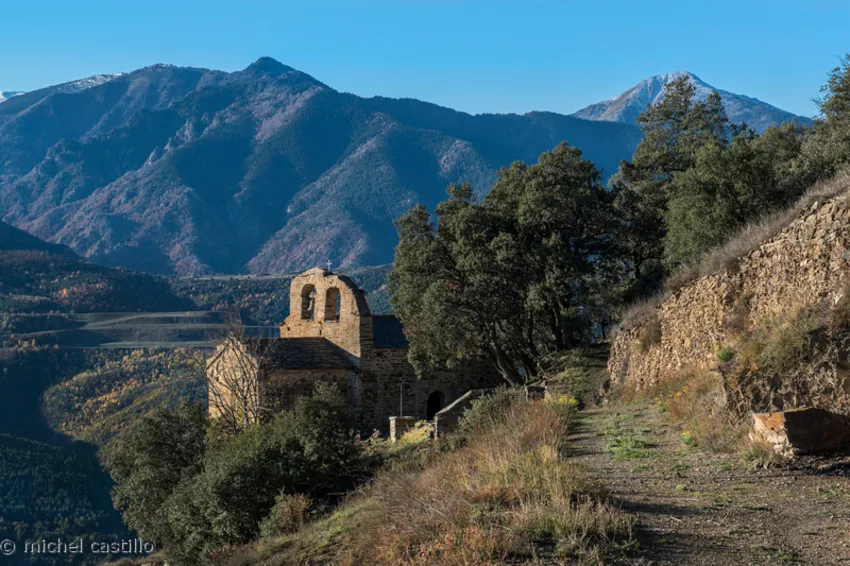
point(331, 336)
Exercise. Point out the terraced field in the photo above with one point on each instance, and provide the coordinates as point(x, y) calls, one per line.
point(198, 329)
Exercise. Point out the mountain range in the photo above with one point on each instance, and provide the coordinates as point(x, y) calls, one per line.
point(190, 171)
point(626, 107)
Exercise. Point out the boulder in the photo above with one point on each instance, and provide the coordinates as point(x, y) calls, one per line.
point(801, 431)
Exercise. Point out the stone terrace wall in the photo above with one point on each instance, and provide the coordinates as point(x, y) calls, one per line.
point(807, 262)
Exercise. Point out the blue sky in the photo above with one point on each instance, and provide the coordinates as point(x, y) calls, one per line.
point(476, 56)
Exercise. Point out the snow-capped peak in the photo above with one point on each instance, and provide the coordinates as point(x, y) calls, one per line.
point(629, 105)
point(7, 94)
point(87, 83)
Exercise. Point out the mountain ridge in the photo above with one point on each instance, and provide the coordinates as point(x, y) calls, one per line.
point(7, 94)
point(627, 106)
point(191, 171)
point(176, 170)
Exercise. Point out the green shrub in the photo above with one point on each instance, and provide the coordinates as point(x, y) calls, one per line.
point(287, 516)
point(150, 460)
point(221, 497)
point(725, 354)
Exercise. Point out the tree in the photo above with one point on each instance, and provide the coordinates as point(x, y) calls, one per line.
point(511, 277)
point(835, 104)
point(729, 186)
point(309, 449)
point(150, 460)
point(193, 496)
point(674, 131)
point(827, 149)
point(233, 381)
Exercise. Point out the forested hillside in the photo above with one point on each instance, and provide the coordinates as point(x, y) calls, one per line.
point(187, 171)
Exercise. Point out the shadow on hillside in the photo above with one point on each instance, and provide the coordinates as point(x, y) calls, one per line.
point(24, 378)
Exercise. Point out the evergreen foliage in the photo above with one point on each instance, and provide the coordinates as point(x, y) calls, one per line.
point(181, 483)
point(513, 276)
point(696, 179)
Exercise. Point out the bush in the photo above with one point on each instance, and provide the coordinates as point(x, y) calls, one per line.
point(487, 412)
point(236, 486)
point(421, 432)
point(696, 400)
point(287, 516)
point(150, 460)
point(725, 354)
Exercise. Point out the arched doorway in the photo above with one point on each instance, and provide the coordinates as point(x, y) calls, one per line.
point(436, 402)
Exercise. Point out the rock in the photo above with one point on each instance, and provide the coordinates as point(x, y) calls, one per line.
point(400, 425)
point(801, 431)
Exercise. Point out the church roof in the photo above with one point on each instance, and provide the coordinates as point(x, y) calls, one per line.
point(388, 332)
point(301, 353)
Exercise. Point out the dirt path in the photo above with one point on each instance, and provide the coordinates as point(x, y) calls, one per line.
point(699, 508)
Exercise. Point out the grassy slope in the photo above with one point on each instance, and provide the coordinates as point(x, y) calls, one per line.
point(505, 496)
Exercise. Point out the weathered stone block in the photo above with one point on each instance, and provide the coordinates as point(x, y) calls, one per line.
point(801, 431)
point(400, 425)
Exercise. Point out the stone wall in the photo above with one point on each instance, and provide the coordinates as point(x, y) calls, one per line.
point(382, 382)
point(351, 330)
point(231, 374)
point(388, 385)
point(280, 388)
point(806, 263)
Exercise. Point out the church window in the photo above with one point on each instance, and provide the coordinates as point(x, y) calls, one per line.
point(333, 304)
point(308, 302)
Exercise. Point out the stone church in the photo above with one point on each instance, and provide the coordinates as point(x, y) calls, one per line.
point(331, 336)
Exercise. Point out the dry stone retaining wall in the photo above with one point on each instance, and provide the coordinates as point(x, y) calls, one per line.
point(804, 264)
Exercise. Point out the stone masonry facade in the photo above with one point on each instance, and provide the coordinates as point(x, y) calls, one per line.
point(331, 336)
point(805, 264)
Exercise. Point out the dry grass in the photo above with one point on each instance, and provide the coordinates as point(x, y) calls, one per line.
point(287, 516)
point(759, 454)
point(781, 345)
point(650, 334)
point(507, 496)
point(728, 256)
point(696, 400)
point(641, 312)
point(508, 492)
